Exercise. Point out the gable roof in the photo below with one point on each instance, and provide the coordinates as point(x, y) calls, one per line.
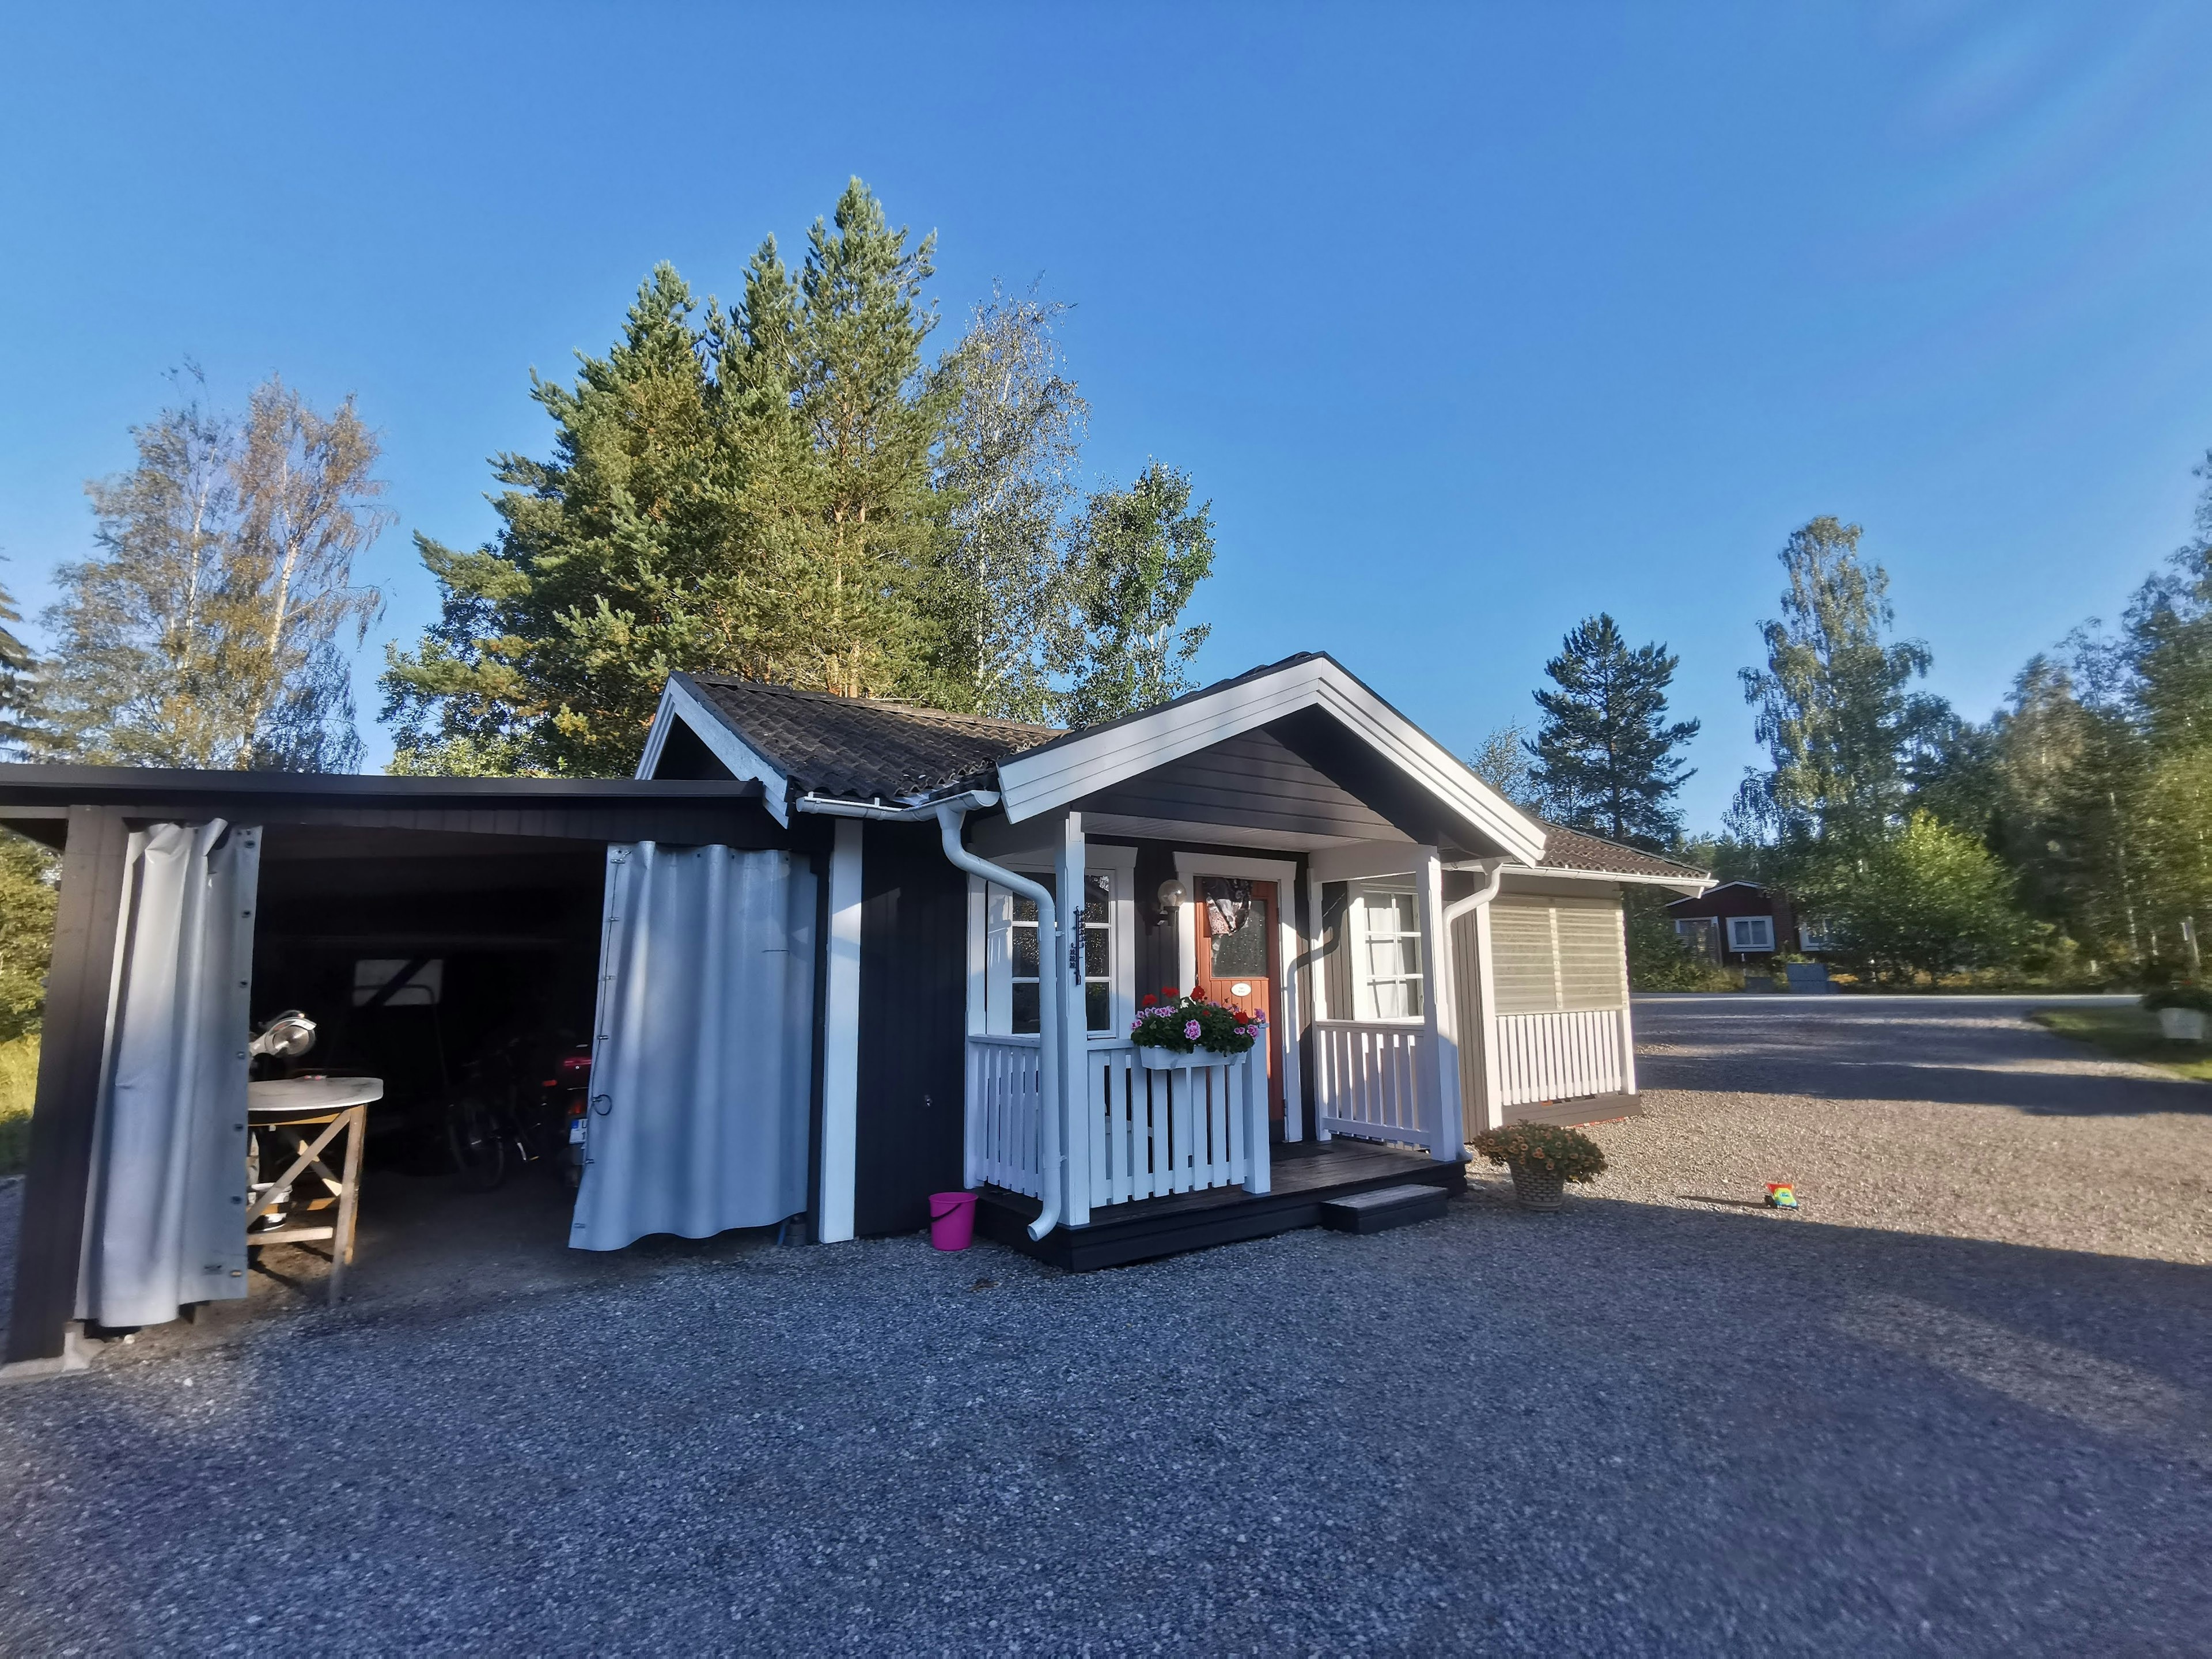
point(1312, 685)
point(872, 749)
point(1571, 849)
point(863, 748)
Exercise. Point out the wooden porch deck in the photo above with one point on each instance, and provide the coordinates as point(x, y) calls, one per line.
point(1304, 1176)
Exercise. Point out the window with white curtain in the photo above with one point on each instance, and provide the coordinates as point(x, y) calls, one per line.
point(1013, 964)
point(1386, 952)
point(1555, 955)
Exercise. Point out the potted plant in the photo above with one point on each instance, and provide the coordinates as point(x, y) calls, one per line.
point(2181, 1010)
point(1542, 1159)
point(1169, 1034)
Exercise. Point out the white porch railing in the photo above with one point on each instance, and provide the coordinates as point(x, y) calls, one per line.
point(1005, 1119)
point(1152, 1131)
point(1140, 1133)
point(1370, 1082)
point(1562, 1056)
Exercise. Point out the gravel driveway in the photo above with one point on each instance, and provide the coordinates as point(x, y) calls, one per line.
point(1951, 1410)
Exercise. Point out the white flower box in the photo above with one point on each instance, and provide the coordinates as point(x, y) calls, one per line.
point(1168, 1060)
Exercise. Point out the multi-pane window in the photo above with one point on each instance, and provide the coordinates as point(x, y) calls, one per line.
point(1025, 980)
point(1390, 954)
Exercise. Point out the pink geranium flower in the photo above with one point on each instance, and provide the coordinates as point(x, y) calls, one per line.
point(1190, 1030)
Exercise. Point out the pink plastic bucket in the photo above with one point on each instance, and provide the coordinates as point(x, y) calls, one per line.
point(951, 1220)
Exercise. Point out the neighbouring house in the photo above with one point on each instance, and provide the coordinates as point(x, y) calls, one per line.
point(835, 955)
point(1741, 924)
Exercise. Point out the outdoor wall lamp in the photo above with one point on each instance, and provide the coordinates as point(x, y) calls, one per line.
point(1172, 897)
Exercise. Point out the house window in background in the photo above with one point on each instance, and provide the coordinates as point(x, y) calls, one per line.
point(1751, 933)
point(1023, 979)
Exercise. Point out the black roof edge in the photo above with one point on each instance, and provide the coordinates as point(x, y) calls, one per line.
point(24, 784)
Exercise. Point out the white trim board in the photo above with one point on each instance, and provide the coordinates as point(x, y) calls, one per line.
point(1065, 771)
point(680, 701)
point(841, 1045)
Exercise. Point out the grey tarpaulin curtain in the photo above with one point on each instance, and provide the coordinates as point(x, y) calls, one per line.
point(165, 1223)
point(703, 1053)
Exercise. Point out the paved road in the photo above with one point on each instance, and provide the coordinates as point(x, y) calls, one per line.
point(1652, 1424)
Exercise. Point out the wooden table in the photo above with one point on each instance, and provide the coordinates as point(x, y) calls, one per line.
point(306, 1114)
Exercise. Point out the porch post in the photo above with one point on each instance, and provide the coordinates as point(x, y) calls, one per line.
point(841, 1047)
point(1439, 1017)
point(1077, 1125)
point(80, 991)
point(1493, 1113)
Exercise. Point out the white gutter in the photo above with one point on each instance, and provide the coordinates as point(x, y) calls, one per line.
point(830, 807)
point(1051, 1155)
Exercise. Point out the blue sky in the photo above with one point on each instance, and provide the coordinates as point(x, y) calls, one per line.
point(1470, 320)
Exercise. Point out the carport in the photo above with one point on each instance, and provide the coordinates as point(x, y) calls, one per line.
point(490, 897)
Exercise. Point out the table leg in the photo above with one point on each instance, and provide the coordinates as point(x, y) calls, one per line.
point(349, 1199)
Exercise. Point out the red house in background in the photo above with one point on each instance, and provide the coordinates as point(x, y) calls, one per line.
point(1741, 924)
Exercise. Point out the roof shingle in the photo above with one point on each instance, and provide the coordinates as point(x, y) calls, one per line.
point(1571, 849)
point(864, 747)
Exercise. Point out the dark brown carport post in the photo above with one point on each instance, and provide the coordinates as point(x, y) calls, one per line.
point(52, 1243)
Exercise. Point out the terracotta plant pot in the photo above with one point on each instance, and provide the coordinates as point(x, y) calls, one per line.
point(1538, 1187)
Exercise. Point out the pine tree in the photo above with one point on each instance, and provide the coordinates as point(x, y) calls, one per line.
point(1833, 707)
point(1605, 758)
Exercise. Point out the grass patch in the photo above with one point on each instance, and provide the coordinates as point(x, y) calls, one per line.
point(2129, 1034)
point(19, 1083)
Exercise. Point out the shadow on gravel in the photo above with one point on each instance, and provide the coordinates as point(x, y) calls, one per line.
point(1625, 1428)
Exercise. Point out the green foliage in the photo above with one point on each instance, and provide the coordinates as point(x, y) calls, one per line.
point(1502, 762)
point(28, 875)
point(2128, 1033)
point(2187, 994)
point(1222, 1030)
point(1568, 1153)
point(1604, 760)
point(1924, 898)
point(1659, 958)
point(1136, 557)
point(1834, 710)
point(18, 1088)
point(205, 632)
point(789, 492)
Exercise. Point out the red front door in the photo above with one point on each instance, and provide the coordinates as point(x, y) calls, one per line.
point(1239, 960)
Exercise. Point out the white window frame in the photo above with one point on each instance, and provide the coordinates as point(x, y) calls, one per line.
point(990, 938)
point(1365, 1003)
point(1740, 926)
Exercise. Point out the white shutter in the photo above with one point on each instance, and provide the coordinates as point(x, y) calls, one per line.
point(1521, 939)
point(1593, 957)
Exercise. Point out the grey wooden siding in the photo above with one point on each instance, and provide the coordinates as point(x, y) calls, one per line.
point(1252, 781)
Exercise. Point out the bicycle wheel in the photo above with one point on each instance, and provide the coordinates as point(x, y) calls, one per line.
point(479, 1149)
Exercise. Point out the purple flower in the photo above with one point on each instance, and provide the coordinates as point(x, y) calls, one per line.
point(1190, 1030)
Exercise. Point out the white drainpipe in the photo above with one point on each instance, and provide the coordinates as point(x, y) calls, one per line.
point(949, 814)
point(1458, 908)
point(1053, 1154)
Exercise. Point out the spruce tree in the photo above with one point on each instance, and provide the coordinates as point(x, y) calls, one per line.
point(1605, 758)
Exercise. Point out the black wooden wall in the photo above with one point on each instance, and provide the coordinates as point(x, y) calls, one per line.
point(913, 1027)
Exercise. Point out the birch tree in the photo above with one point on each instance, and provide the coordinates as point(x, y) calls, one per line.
point(206, 630)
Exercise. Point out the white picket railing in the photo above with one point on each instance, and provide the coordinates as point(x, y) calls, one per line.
point(1005, 1115)
point(1369, 1083)
point(1203, 1123)
point(1141, 1131)
point(1562, 1056)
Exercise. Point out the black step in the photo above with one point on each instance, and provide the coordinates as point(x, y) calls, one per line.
point(1384, 1208)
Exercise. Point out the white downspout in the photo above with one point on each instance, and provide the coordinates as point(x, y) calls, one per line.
point(1052, 1153)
